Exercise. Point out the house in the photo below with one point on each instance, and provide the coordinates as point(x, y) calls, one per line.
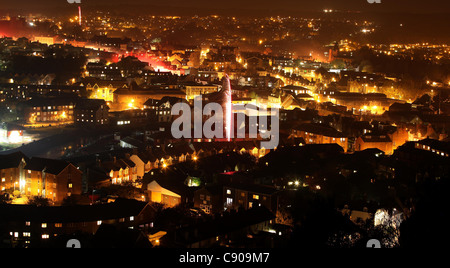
point(428, 157)
point(52, 179)
point(289, 102)
point(144, 162)
point(379, 141)
point(120, 170)
point(163, 107)
point(181, 151)
point(35, 226)
point(192, 90)
point(296, 90)
point(49, 110)
point(96, 177)
point(314, 133)
point(440, 148)
point(103, 89)
point(209, 199)
point(91, 112)
point(135, 96)
point(169, 192)
point(249, 195)
point(132, 117)
point(12, 172)
point(398, 135)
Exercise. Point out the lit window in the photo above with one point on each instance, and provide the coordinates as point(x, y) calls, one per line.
point(255, 196)
point(26, 234)
point(27, 223)
point(99, 222)
point(58, 225)
point(70, 185)
point(44, 225)
point(132, 218)
point(45, 236)
point(228, 191)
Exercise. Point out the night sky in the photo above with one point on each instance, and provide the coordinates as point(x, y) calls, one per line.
point(292, 5)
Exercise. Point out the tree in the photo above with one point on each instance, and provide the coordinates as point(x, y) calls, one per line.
point(4, 199)
point(126, 190)
point(427, 226)
point(39, 201)
point(70, 201)
point(318, 222)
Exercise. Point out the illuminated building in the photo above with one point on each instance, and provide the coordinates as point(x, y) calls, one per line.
point(382, 142)
point(135, 96)
point(45, 40)
point(120, 170)
point(50, 110)
point(103, 71)
point(27, 91)
point(163, 107)
point(12, 173)
point(167, 192)
point(249, 196)
point(209, 199)
point(52, 179)
point(320, 134)
point(197, 89)
point(12, 134)
point(103, 89)
point(91, 112)
point(36, 226)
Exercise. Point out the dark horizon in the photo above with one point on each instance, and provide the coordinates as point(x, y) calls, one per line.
point(247, 7)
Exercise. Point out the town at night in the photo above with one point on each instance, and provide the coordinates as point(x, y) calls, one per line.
point(240, 127)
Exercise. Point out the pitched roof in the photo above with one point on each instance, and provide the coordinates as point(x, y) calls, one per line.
point(175, 186)
point(146, 157)
point(12, 160)
point(320, 129)
point(133, 142)
point(436, 144)
point(375, 138)
point(90, 104)
point(214, 189)
point(50, 166)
